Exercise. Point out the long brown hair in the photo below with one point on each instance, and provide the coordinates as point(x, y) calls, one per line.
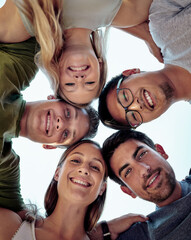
point(94, 209)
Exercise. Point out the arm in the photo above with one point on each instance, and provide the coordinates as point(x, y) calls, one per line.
point(142, 31)
point(12, 30)
point(116, 226)
point(131, 13)
point(10, 222)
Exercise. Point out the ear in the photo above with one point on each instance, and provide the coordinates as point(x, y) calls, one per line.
point(160, 150)
point(57, 173)
point(103, 188)
point(128, 191)
point(48, 146)
point(50, 97)
point(130, 71)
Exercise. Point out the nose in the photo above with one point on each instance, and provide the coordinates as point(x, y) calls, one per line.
point(59, 123)
point(136, 105)
point(83, 171)
point(79, 75)
point(144, 169)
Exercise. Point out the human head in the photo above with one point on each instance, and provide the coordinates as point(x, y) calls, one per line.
point(94, 209)
point(57, 123)
point(139, 166)
point(152, 95)
point(82, 72)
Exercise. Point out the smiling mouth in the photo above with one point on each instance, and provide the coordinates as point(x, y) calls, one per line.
point(148, 99)
point(79, 69)
point(48, 123)
point(80, 182)
point(154, 177)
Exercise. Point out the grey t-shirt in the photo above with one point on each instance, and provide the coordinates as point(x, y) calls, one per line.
point(171, 222)
point(170, 27)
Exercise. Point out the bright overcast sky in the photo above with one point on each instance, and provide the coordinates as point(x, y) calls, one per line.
point(172, 130)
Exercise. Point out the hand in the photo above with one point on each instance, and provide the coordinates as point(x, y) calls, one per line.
point(118, 225)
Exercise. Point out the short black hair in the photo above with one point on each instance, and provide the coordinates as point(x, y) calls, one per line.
point(103, 111)
point(113, 142)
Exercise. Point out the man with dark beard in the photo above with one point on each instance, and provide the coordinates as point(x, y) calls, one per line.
point(140, 167)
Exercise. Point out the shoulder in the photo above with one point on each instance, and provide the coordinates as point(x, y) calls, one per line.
point(10, 222)
point(13, 29)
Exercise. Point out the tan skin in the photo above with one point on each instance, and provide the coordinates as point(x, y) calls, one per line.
point(144, 172)
point(84, 164)
point(151, 81)
point(53, 122)
point(81, 71)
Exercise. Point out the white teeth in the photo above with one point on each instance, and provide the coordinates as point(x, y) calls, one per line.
point(152, 180)
point(80, 182)
point(48, 123)
point(148, 98)
point(78, 68)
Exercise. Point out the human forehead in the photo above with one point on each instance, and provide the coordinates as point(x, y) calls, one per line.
point(88, 151)
point(138, 79)
point(125, 152)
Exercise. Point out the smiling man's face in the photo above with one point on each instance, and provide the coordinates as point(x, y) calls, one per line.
point(55, 122)
point(144, 171)
point(152, 96)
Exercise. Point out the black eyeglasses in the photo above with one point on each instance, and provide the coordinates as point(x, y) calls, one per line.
point(125, 99)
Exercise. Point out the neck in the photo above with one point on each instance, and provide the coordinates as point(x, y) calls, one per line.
point(23, 122)
point(77, 36)
point(180, 79)
point(177, 194)
point(67, 222)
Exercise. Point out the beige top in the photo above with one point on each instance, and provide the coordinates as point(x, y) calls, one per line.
point(25, 232)
point(90, 14)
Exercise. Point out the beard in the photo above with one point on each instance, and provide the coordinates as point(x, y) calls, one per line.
point(161, 194)
point(168, 91)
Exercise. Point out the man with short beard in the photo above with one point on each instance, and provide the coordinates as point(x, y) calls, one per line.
point(140, 167)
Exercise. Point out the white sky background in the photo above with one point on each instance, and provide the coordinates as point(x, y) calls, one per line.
point(172, 130)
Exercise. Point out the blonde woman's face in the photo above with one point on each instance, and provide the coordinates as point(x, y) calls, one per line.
point(81, 175)
point(79, 74)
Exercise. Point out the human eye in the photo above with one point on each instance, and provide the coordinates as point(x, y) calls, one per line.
point(142, 154)
point(75, 161)
point(127, 172)
point(89, 83)
point(134, 116)
point(95, 168)
point(67, 113)
point(125, 97)
point(69, 84)
point(65, 133)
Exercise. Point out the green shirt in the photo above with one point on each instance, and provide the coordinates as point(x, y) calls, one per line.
point(17, 69)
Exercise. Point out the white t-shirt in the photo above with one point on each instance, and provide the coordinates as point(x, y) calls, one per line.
point(91, 14)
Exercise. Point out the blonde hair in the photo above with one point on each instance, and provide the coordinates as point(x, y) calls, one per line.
point(99, 42)
point(46, 18)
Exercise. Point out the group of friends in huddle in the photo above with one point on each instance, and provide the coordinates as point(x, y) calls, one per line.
point(65, 39)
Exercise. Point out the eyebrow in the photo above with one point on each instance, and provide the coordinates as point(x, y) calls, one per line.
point(96, 159)
point(122, 168)
point(134, 156)
point(136, 151)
